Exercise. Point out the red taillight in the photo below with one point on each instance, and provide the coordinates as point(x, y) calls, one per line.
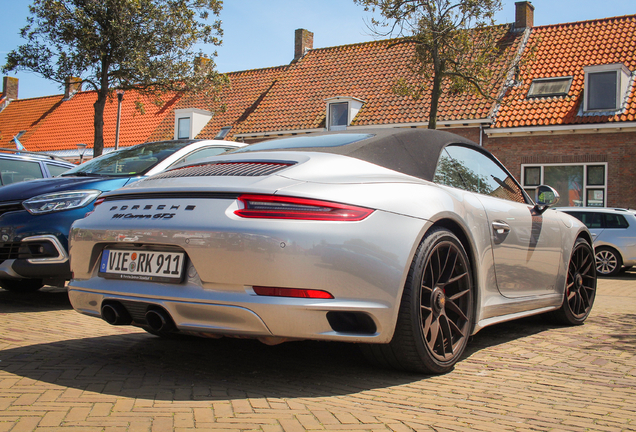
point(291, 292)
point(277, 207)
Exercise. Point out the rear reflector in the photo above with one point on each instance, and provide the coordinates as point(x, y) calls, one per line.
point(291, 292)
point(280, 207)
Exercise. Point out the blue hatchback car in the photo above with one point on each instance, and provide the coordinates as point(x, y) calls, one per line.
point(36, 216)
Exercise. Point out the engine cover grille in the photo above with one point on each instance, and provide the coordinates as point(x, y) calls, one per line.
point(240, 169)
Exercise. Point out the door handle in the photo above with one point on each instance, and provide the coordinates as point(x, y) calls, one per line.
point(500, 227)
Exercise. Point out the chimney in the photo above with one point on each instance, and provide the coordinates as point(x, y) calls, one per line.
point(10, 87)
point(304, 42)
point(72, 85)
point(524, 15)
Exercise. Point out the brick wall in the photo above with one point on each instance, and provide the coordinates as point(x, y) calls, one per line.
point(617, 149)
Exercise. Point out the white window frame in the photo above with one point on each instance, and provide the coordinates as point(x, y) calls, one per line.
point(585, 186)
point(198, 119)
point(353, 106)
point(623, 77)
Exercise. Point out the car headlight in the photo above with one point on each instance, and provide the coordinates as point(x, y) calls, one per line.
point(60, 201)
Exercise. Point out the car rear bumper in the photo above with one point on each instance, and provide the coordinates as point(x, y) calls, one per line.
point(249, 315)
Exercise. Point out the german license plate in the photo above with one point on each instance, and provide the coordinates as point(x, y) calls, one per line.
point(151, 266)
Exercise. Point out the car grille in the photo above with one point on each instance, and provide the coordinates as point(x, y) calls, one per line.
point(10, 206)
point(9, 250)
point(241, 169)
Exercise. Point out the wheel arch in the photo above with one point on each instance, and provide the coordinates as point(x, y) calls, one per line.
point(587, 237)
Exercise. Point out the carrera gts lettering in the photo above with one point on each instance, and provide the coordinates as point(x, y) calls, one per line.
point(143, 216)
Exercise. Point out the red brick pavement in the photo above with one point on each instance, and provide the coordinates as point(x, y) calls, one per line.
point(61, 370)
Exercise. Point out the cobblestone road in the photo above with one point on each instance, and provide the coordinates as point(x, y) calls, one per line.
point(61, 370)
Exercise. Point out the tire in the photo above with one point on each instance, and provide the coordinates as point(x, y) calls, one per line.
point(608, 261)
point(580, 287)
point(21, 285)
point(436, 309)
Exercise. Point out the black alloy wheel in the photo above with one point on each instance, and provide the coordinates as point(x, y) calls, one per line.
point(580, 287)
point(445, 301)
point(436, 311)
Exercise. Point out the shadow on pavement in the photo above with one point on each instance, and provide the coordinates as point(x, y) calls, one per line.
point(46, 299)
point(143, 366)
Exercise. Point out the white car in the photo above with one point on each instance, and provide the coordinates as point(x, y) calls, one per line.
point(614, 233)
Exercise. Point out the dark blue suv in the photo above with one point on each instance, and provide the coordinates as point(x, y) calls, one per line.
point(36, 216)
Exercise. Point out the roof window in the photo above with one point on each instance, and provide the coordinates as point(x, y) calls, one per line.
point(550, 87)
point(341, 110)
point(223, 132)
point(605, 87)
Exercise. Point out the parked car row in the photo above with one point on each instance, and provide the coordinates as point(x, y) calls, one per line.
point(405, 241)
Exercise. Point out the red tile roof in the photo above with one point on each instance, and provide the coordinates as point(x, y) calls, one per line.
point(71, 122)
point(25, 114)
point(245, 90)
point(365, 71)
point(563, 50)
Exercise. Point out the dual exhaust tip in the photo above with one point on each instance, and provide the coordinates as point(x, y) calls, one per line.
point(114, 313)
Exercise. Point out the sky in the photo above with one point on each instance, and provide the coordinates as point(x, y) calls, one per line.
point(260, 33)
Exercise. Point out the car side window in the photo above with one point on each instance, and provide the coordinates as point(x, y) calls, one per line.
point(56, 170)
point(473, 171)
point(203, 153)
point(14, 171)
point(615, 221)
point(589, 219)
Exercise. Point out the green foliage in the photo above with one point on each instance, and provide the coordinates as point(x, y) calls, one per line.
point(457, 49)
point(145, 45)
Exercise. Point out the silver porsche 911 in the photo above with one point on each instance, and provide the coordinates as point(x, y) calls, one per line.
point(406, 241)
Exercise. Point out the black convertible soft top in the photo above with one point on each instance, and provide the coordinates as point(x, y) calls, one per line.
point(410, 151)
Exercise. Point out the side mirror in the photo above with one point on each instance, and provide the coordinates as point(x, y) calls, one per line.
point(544, 197)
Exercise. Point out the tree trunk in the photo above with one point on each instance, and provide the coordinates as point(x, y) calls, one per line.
point(100, 103)
point(98, 122)
point(435, 93)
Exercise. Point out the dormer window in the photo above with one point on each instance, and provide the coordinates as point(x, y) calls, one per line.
point(183, 128)
point(550, 87)
point(189, 122)
point(605, 87)
point(341, 110)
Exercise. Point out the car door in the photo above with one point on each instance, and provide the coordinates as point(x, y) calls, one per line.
point(526, 246)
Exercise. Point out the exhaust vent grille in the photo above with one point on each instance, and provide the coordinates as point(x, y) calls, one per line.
point(235, 169)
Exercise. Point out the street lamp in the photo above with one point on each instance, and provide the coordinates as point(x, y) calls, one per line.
point(81, 149)
point(120, 97)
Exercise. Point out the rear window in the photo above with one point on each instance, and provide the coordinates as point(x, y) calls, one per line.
point(332, 140)
point(615, 221)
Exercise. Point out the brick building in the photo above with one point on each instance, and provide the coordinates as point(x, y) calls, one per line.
point(566, 119)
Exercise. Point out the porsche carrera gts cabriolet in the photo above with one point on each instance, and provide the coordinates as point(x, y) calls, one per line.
point(406, 241)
